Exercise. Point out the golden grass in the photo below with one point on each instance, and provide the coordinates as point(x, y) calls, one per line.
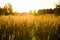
point(32, 24)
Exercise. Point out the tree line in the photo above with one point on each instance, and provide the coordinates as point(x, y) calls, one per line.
point(7, 10)
point(56, 10)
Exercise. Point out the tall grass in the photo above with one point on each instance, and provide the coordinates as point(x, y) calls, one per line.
point(30, 27)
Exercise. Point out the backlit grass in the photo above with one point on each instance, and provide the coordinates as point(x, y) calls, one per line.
point(30, 27)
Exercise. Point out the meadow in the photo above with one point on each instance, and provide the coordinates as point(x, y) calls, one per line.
point(30, 27)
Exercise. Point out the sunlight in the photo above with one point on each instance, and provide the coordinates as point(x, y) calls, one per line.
point(27, 5)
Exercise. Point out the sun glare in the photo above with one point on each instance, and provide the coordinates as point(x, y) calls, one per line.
point(27, 5)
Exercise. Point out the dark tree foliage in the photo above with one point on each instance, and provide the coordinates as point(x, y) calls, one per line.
point(57, 9)
point(1, 11)
point(40, 12)
point(50, 11)
point(7, 10)
point(45, 11)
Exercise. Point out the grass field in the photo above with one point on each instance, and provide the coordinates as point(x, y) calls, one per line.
point(30, 27)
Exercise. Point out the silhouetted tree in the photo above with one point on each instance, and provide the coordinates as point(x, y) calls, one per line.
point(57, 9)
point(1, 11)
point(8, 9)
point(40, 12)
point(49, 11)
point(45, 11)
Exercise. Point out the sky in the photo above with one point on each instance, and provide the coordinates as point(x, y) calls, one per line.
point(27, 5)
